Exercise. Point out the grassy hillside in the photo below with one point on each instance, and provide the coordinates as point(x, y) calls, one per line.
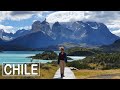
point(115, 47)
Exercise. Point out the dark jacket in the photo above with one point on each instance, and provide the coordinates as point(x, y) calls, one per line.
point(65, 57)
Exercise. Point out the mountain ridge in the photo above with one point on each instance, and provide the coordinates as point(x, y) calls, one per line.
point(42, 35)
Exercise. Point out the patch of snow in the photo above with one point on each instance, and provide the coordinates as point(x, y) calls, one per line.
point(83, 25)
point(43, 32)
point(94, 27)
point(77, 22)
point(83, 35)
point(7, 38)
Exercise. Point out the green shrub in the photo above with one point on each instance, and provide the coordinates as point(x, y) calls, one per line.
point(46, 67)
point(99, 61)
point(78, 65)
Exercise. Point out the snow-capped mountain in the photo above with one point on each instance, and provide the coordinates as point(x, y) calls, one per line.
point(61, 33)
point(21, 33)
point(41, 26)
point(5, 36)
point(79, 32)
point(10, 36)
point(92, 33)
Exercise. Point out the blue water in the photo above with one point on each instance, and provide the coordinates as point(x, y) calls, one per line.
point(20, 56)
point(77, 57)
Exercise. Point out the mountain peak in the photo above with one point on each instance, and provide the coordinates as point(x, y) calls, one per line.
point(37, 22)
point(56, 24)
point(79, 32)
point(36, 26)
point(45, 22)
point(81, 22)
point(1, 32)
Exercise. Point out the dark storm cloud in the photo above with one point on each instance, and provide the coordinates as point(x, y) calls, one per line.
point(24, 12)
point(30, 12)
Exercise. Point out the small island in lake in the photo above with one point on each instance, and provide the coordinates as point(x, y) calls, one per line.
point(47, 55)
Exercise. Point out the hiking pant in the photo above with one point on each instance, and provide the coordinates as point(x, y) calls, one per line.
point(62, 66)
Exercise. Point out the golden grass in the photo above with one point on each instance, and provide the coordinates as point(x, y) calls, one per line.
point(46, 72)
point(85, 74)
point(116, 77)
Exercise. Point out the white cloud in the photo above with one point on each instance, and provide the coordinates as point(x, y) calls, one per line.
point(26, 27)
point(34, 21)
point(17, 15)
point(6, 15)
point(7, 28)
point(10, 29)
point(117, 32)
point(109, 18)
point(114, 26)
point(65, 16)
point(24, 12)
point(21, 15)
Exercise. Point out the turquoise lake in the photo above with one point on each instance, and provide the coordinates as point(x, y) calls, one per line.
point(21, 56)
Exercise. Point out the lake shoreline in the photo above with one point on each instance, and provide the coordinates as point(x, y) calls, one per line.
point(20, 56)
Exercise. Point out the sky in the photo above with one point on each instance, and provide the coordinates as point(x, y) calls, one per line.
point(11, 21)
